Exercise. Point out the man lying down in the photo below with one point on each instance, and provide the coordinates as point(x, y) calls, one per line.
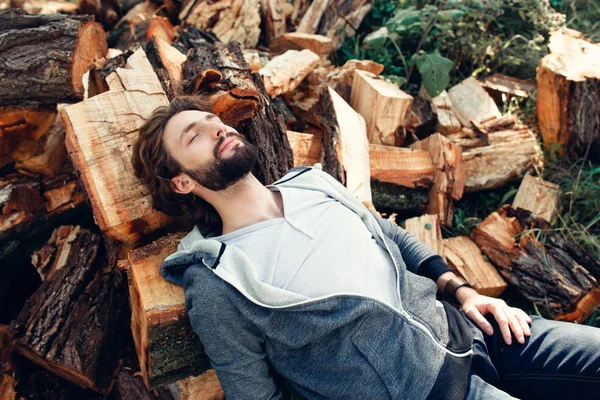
point(298, 280)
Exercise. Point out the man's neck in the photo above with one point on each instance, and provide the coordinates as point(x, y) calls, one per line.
point(245, 203)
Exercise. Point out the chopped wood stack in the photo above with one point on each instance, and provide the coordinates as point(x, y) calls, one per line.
point(281, 91)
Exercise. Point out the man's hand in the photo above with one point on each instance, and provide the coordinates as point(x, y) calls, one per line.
point(476, 306)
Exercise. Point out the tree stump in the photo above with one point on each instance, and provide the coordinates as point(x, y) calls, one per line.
point(568, 98)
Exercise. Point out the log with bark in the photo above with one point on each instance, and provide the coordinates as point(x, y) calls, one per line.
point(230, 20)
point(285, 72)
point(336, 19)
point(400, 177)
point(167, 62)
point(239, 98)
point(345, 146)
point(568, 97)
point(502, 87)
point(318, 44)
point(384, 107)
point(273, 19)
point(99, 134)
point(140, 32)
point(427, 229)
point(555, 274)
point(508, 157)
point(107, 12)
point(72, 324)
point(449, 179)
point(202, 387)
point(466, 260)
point(167, 348)
point(538, 196)
point(43, 57)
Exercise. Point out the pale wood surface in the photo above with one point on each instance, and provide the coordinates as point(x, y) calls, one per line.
point(538, 196)
point(400, 165)
point(509, 156)
point(466, 259)
point(202, 387)
point(509, 85)
point(449, 177)
point(99, 135)
point(306, 147)
point(353, 147)
point(319, 44)
point(383, 105)
point(285, 72)
point(447, 120)
point(310, 21)
point(230, 20)
point(427, 229)
point(471, 102)
point(273, 18)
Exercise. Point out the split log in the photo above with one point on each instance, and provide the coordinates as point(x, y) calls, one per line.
point(167, 63)
point(239, 98)
point(509, 156)
point(551, 272)
point(72, 324)
point(447, 121)
point(130, 386)
point(384, 107)
point(471, 102)
point(427, 229)
point(466, 260)
point(300, 7)
point(203, 387)
point(405, 201)
point(505, 122)
point(230, 20)
point(402, 166)
point(336, 19)
point(168, 350)
point(53, 255)
point(99, 135)
point(538, 196)
point(129, 34)
point(192, 38)
point(421, 120)
point(107, 12)
point(449, 178)
point(285, 72)
point(568, 100)
point(273, 18)
point(46, 155)
point(303, 100)
point(318, 44)
point(502, 87)
point(7, 387)
point(55, 50)
point(345, 146)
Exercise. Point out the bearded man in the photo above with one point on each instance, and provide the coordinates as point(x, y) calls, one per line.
point(298, 280)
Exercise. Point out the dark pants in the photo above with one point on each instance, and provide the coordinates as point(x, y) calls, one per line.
point(559, 360)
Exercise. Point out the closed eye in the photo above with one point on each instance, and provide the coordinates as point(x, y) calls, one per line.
point(196, 134)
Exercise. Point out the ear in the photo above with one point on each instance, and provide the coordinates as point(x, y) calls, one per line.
point(182, 183)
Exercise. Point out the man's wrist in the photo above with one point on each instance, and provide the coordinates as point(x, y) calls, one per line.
point(453, 286)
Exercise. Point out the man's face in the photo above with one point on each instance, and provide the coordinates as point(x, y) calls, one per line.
point(213, 154)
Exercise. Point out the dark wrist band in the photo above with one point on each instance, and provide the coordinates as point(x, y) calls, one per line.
point(453, 285)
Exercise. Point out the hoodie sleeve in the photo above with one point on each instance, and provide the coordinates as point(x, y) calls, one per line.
point(233, 345)
point(419, 258)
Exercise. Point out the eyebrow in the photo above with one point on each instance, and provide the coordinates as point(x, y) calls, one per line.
point(193, 124)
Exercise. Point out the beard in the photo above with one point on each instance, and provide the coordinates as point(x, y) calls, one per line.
point(221, 173)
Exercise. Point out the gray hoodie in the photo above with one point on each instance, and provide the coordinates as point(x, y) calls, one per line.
point(336, 346)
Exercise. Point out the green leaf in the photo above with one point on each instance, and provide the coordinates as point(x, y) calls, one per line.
point(376, 40)
point(448, 15)
point(435, 71)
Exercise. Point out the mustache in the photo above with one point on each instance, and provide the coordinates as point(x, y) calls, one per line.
point(227, 136)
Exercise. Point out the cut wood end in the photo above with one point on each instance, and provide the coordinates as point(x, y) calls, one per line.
point(91, 45)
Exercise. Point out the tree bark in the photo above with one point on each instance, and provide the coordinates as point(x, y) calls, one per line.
point(549, 271)
point(43, 57)
point(72, 324)
point(568, 106)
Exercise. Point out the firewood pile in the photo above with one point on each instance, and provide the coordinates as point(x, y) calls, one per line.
point(78, 80)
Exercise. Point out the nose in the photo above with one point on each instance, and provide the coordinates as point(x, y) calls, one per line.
point(219, 131)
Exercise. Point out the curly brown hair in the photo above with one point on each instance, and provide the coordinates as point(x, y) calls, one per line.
point(155, 167)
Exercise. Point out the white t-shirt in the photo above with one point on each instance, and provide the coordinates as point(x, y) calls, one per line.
point(319, 247)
